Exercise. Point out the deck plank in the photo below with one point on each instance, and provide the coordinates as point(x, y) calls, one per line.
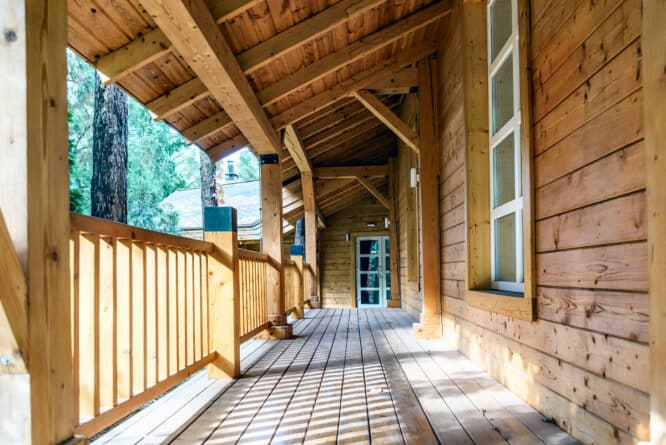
point(237, 401)
point(413, 421)
point(348, 376)
point(479, 429)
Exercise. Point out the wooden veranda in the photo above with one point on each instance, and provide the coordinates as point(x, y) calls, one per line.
point(502, 161)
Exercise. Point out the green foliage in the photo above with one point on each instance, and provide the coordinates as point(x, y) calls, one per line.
point(159, 160)
point(248, 166)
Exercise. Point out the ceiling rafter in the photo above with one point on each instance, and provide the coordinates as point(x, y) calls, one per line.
point(197, 37)
point(154, 44)
point(402, 82)
point(351, 171)
point(348, 54)
point(296, 149)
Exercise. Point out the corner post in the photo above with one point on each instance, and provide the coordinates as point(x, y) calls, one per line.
point(296, 255)
point(271, 244)
point(221, 229)
point(653, 37)
point(310, 210)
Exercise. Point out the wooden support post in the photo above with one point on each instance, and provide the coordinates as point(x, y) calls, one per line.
point(296, 255)
point(271, 244)
point(220, 228)
point(654, 86)
point(310, 277)
point(394, 234)
point(430, 325)
point(34, 198)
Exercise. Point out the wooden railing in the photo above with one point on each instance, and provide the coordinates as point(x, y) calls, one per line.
point(140, 316)
point(252, 282)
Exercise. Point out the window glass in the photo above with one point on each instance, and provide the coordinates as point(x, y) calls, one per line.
point(505, 248)
point(370, 263)
point(369, 246)
point(370, 280)
point(369, 297)
point(502, 95)
point(503, 159)
point(500, 26)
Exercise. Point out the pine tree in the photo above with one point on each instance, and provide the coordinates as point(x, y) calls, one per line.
point(109, 179)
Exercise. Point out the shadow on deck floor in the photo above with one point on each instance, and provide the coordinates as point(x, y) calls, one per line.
point(348, 376)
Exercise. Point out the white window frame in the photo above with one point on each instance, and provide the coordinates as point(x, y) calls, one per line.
point(513, 125)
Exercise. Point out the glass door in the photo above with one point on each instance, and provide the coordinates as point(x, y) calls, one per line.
point(373, 275)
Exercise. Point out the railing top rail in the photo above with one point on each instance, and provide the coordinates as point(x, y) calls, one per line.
point(252, 255)
point(91, 225)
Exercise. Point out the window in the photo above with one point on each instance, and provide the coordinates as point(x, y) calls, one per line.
point(506, 200)
point(498, 158)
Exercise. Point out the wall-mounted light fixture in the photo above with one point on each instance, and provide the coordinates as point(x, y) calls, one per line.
point(347, 236)
point(386, 223)
point(413, 177)
point(372, 224)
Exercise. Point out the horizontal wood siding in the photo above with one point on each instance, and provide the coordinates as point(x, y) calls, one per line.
point(337, 274)
point(584, 362)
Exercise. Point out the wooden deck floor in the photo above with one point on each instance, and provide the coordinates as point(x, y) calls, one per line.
point(349, 376)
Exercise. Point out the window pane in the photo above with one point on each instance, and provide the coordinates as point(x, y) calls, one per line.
point(388, 280)
point(369, 297)
point(387, 245)
point(369, 280)
point(369, 246)
point(504, 188)
point(370, 263)
point(500, 26)
point(388, 294)
point(505, 248)
point(502, 94)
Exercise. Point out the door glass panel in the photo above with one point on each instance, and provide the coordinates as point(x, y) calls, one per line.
point(370, 263)
point(370, 297)
point(505, 248)
point(502, 94)
point(369, 280)
point(388, 294)
point(504, 188)
point(387, 246)
point(500, 26)
point(369, 246)
point(387, 281)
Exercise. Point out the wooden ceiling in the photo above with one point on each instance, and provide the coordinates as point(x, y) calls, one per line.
point(289, 62)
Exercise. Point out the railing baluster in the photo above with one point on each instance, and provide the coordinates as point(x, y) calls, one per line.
point(150, 332)
point(138, 323)
point(196, 286)
point(74, 261)
point(122, 292)
point(182, 310)
point(172, 290)
point(162, 281)
point(107, 333)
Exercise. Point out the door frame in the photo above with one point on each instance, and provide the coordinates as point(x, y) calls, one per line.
point(353, 236)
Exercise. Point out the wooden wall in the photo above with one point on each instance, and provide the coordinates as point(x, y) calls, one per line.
point(337, 275)
point(584, 362)
point(408, 214)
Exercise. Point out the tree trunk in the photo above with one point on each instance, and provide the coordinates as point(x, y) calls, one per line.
point(109, 179)
point(208, 186)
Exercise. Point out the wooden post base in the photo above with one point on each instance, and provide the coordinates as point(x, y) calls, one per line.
point(280, 332)
point(315, 302)
point(393, 304)
point(427, 331)
point(277, 320)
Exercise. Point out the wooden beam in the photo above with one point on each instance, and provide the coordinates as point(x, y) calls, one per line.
point(154, 44)
point(195, 34)
point(227, 147)
point(271, 235)
point(34, 198)
point(384, 114)
point(402, 82)
point(295, 147)
point(310, 212)
point(338, 92)
point(207, 127)
point(353, 84)
point(353, 52)
point(654, 87)
point(351, 172)
point(374, 191)
point(303, 32)
point(315, 71)
point(429, 158)
point(327, 119)
point(13, 307)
